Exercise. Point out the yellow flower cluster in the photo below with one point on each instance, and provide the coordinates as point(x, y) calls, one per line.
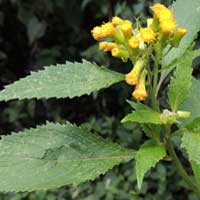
point(126, 40)
point(164, 22)
point(128, 43)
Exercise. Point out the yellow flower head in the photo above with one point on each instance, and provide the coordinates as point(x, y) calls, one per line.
point(107, 46)
point(168, 26)
point(108, 30)
point(97, 33)
point(181, 32)
point(165, 14)
point(126, 27)
point(133, 76)
point(134, 42)
point(147, 34)
point(157, 9)
point(117, 21)
point(140, 92)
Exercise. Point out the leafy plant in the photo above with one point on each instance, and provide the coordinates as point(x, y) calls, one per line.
point(54, 155)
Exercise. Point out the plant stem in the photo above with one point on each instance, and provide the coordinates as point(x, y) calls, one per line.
point(180, 168)
point(154, 100)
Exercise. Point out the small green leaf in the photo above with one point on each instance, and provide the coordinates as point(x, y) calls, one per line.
point(191, 142)
point(143, 114)
point(196, 171)
point(148, 155)
point(180, 82)
point(192, 103)
point(63, 80)
point(54, 155)
point(187, 15)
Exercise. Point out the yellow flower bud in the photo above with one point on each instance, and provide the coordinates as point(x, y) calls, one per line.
point(117, 21)
point(126, 27)
point(157, 9)
point(133, 76)
point(108, 30)
point(168, 26)
point(166, 14)
point(181, 32)
point(97, 33)
point(140, 92)
point(134, 42)
point(115, 52)
point(107, 46)
point(120, 53)
point(147, 34)
point(177, 36)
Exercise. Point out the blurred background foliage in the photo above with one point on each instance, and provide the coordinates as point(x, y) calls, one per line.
point(38, 33)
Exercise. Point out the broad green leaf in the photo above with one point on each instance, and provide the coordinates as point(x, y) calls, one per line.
point(148, 155)
point(192, 103)
point(191, 142)
point(196, 171)
point(142, 114)
point(63, 80)
point(180, 82)
point(194, 125)
point(54, 155)
point(187, 15)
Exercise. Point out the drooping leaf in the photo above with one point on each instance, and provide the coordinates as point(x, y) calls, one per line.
point(187, 15)
point(142, 114)
point(191, 142)
point(196, 171)
point(64, 80)
point(180, 82)
point(192, 102)
point(148, 155)
point(54, 155)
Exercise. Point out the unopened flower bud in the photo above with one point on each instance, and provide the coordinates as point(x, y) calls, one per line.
point(178, 35)
point(183, 114)
point(168, 117)
point(107, 46)
point(120, 53)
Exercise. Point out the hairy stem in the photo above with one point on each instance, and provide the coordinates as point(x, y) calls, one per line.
point(180, 168)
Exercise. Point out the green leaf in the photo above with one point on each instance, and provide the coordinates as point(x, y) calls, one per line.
point(54, 155)
point(192, 103)
point(64, 80)
point(180, 82)
point(142, 114)
point(196, 171)
point(194, 125)
point(148, 155)
point(191, 142)
point(187, 15)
